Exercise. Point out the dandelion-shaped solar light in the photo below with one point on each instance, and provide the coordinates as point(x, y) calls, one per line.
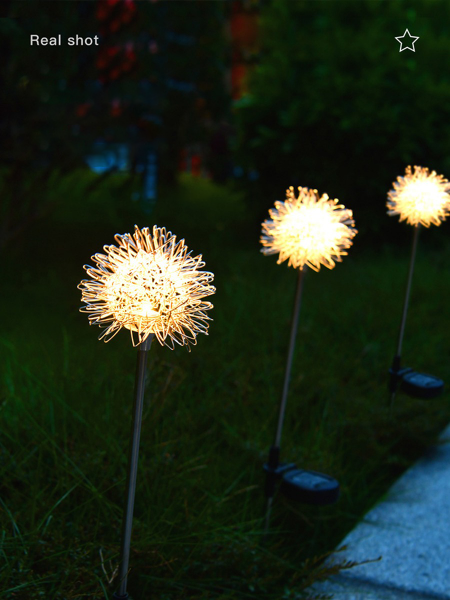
point(307, 231)
point(151, 285)
point(419, 198)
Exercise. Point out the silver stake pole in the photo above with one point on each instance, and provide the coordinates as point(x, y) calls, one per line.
point(127, 523)
point(290, 356)
point(275, 449)
point(397, 358)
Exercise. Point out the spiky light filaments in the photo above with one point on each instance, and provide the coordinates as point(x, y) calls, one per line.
point(308, 230)
point(150, 283)
point(420, 197)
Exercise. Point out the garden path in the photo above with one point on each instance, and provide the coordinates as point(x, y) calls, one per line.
point(410, 529)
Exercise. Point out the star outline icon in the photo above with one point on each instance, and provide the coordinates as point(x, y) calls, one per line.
point(413, 39)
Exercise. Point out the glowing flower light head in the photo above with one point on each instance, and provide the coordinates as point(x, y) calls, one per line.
point(308, 230)
point(420, 197)
point(149, 283)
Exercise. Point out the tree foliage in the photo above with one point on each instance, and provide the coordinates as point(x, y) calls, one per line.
point(334, 105)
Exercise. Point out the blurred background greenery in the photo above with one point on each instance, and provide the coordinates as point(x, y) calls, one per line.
point(196, 116)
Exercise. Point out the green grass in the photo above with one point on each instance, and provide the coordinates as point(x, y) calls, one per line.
point(209, 419)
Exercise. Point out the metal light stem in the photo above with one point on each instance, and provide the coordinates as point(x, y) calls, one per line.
point(127, 523)
point(397, 358)
point(408, 289)
point(274, 451)
point(290, 356)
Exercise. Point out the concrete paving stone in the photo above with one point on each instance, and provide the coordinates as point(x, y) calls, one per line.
point(351, 588)
point(410, 529)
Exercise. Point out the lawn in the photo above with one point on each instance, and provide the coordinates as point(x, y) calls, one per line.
point(209, 415)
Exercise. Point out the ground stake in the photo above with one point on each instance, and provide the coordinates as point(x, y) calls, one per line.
point(143, 349)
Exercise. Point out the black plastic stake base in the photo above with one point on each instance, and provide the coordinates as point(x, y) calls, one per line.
point(271, 471)
point(412, 383)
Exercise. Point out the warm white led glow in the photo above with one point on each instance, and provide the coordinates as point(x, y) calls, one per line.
point(420, 197)
point(308, 230)
point(149, 283)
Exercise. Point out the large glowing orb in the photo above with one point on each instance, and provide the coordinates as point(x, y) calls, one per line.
point(149, 283)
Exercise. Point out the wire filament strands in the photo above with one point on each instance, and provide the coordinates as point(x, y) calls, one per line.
point(149, 284)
